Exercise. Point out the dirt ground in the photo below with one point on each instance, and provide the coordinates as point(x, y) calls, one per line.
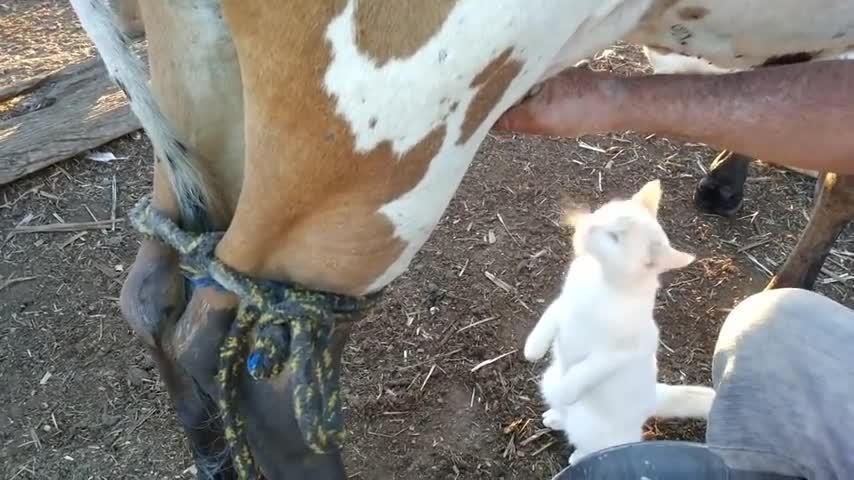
point(81, 400)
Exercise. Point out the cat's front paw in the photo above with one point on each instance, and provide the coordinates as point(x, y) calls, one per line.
point(552, 419)
point(535, 350)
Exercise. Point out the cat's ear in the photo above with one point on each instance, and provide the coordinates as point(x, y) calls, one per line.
point(671, 259)
point(649, 196)
point(573, 215)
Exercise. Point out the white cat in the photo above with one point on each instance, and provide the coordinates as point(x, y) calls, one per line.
point(602, 385)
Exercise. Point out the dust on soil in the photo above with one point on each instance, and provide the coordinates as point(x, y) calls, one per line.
point(81, 399)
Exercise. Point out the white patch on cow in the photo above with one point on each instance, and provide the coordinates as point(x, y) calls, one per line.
point(674, 63)
point(400, 101)
point(670, 63)
point(735, 34)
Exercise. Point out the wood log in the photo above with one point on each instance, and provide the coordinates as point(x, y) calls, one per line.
point(72, 110)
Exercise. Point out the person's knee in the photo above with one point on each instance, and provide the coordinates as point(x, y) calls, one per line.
point(769, 308)
point(776, 323)
point(782, 361)
point(768, 322)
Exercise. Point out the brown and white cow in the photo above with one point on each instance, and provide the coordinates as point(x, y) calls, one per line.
point(327, 137)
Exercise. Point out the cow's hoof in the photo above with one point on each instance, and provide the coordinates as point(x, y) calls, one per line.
point(718, 197)
point(152, 297)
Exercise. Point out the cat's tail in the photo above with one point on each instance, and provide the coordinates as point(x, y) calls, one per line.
point(544, 332)
point(683, 401)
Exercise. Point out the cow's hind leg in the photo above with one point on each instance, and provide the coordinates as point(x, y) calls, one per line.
point(721, 191)
point(832, 210)
point(152, 303)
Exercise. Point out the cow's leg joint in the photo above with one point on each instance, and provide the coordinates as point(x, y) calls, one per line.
point(152, 297)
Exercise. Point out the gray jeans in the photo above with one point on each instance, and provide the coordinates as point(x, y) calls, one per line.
point(783, 370)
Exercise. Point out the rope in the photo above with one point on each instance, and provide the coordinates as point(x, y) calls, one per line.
point(293, 328)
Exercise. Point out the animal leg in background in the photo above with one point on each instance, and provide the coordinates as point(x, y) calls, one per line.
point(721, 190)
point(832, 210)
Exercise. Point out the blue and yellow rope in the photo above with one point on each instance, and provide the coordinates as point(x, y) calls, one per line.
point(293, 328)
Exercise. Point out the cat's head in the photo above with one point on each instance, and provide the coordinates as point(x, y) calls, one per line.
point(625, 235)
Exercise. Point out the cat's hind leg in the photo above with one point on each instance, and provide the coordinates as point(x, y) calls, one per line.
point(553, 418)
point(550, 386)
point(576, 455)
point(591, 428)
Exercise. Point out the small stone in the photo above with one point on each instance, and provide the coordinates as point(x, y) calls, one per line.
point(109, 420)
point(16, 412)
point(146, 362)
point(136, 376)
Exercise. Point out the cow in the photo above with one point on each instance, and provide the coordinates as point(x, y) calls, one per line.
point(324, 139)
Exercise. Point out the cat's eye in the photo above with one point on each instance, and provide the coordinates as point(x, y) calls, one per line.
point(614, 236)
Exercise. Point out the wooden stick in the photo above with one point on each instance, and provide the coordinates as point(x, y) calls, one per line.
point(63, 227)
point(12, 280)
point(491, 360)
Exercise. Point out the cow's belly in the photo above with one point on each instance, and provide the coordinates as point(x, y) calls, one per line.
point(742, 34)
point(476, 66)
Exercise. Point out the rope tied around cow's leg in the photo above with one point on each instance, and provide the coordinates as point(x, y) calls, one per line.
point(293, 327)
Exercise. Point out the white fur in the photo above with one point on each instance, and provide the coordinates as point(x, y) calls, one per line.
point(670, 63)
point(404, 95)
point(601, 385)
point(675, 63)
point(739, 34)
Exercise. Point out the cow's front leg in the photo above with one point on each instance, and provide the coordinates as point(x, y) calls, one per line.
point(153, 300)
point(721, 191)
point(832, 210)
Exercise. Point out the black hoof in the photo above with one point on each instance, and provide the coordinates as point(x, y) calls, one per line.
point(715, 197)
